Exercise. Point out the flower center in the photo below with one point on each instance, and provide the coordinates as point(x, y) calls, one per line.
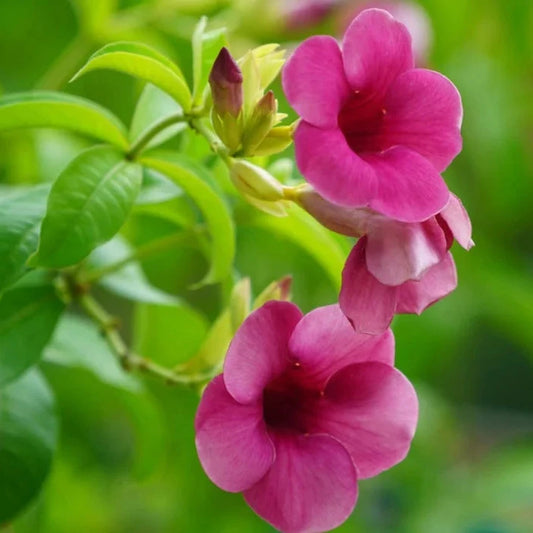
point(361, 120)
point(288, 405)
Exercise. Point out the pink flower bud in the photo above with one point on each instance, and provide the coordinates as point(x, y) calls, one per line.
point(226, 84)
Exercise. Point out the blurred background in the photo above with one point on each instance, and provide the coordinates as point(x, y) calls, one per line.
point(126, 459)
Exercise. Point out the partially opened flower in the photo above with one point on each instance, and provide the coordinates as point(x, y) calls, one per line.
point(305, 407)
point(396, 267)
point(375, 131)
point(371, 305)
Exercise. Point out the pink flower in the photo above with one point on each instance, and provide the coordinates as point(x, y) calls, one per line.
point(371, 305)
point(396, 267)
point(305, 407)
point(375, 131)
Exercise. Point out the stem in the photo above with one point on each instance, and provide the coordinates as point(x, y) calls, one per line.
point(292, 194)
point(214, 142)
point(147, 249)
point(145, 138)
point(128, 359)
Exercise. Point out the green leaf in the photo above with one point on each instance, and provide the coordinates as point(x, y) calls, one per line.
point(28, 316)
point(306, 232)
point(77, 342)
point(205, 48)
point(87, 205)
point(44, 109)
point(20, 219)
point(129, 281)
point(215, 211)
point(142, 62)
point(153, 107)
point(28, 438)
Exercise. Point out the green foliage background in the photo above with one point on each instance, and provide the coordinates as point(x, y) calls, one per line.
point(126, 460)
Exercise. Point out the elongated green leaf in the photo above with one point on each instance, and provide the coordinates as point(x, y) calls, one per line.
point(153, 108)
point(20, 219)
point(28, 316)
point(77, 342)
point(129, 281)
point(213, 208)
point(28, 438)
point(87, 205)
point(205, 48)
point(307, 233)
point(142, 62)
point(43, 109)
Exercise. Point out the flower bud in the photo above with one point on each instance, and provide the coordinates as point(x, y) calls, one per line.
point(226, 84)
point(260, 123)
point(255, 182)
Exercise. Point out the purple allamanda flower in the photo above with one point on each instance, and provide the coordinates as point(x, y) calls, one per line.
point(304, 408)
point(375, 131)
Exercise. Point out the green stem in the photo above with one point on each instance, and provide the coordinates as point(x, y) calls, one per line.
point(150, 248)
point(129, 360)
point(214, 142)
point(140, 144)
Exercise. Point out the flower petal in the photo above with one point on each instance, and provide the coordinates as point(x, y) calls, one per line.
point(376, 49)
point(259, 350)
point(314, 81)
point(311, 487)
point(437, 282)
point(424, 113)
point(372, 409)
point(397, 252)
point(458, 221)
point(231, 439)
point(368, 304)
point(324, 342)
point(329, 164)
point(409, 189)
